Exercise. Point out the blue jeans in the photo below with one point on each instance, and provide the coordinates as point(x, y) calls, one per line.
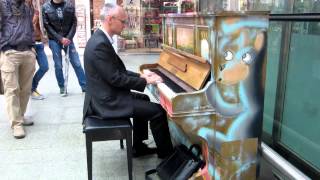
point(74, 59)
point(43, 65)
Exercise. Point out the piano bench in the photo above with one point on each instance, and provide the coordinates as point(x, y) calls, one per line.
point(103, 130)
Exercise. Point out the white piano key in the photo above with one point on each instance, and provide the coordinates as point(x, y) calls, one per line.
point(166, 91)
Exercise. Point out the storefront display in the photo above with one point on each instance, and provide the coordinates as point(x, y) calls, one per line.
point(151, 23)
point(169, 7)
point(188, 6)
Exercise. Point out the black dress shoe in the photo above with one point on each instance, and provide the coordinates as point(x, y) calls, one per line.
point(142, 150)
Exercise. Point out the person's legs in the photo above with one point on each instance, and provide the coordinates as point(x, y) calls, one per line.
point(26, 71)
point(140, 128)
point(9, 73)
point(160, 131)
point(57, 58)
point(15, 65)
point(145, 111)
point(43, 68)
point(75, 62)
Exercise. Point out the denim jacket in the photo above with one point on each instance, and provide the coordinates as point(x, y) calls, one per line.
point(16, 24)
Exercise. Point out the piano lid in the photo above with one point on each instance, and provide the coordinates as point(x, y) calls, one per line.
point(192, 72)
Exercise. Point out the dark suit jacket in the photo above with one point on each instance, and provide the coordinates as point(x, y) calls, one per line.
point(108, 92)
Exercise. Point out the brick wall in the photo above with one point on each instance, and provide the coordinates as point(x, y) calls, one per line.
point(96, 6)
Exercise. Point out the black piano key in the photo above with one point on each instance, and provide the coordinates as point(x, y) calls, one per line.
point(173, 86)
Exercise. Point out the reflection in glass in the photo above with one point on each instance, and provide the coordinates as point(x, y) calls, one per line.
point(300, 122)
point(306, 28)
point(275, 6)
point(274, 47)
point(307, 6)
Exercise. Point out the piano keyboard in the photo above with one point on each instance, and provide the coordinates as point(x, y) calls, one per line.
point(166, 80)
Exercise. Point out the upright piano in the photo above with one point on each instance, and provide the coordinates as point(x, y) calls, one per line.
point(213, 67)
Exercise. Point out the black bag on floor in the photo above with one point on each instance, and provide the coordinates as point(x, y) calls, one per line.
point(180, 165)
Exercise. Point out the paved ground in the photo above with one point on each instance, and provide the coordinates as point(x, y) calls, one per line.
point(54, 147)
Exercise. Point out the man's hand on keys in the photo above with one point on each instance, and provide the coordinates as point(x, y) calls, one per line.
point(151, 77)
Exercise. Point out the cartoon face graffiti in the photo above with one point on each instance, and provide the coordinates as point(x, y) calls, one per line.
point(232, 73)
point(237, 63)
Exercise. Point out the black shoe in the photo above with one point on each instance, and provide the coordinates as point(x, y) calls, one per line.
point(142, 150)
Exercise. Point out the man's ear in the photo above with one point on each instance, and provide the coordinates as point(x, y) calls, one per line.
point(108, 19)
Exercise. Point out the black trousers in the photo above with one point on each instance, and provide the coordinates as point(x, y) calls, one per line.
point(145, 111)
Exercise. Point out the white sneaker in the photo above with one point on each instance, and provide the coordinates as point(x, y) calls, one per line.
point(36, 95)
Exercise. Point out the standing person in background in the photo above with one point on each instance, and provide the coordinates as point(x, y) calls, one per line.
point(60, 21)
point(17, 60)
point(39, 47)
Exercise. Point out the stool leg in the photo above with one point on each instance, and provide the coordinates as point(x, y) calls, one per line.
point(121, 144)
point(89, 156)
point(129, 152)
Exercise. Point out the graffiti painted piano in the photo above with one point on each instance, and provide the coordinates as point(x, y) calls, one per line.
point(213, 68)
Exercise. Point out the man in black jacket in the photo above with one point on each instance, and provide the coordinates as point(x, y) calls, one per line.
point(60, 21)
point(109, 87)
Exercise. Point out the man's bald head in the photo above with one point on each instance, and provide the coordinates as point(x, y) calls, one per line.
point(113, 18)
point(111, 10)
